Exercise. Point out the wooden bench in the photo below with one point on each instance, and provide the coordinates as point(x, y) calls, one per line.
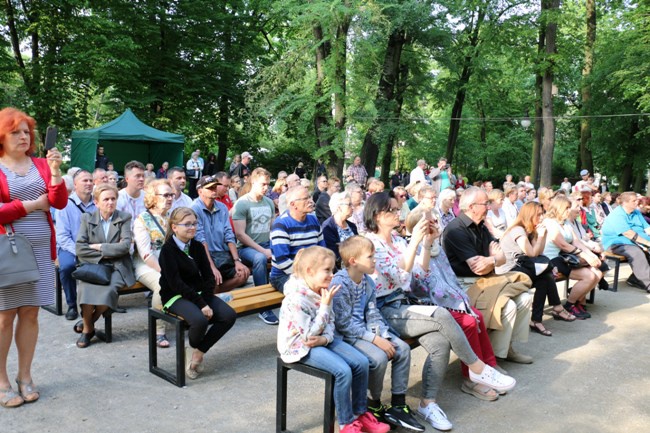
point(617, 259)
point(244, 301)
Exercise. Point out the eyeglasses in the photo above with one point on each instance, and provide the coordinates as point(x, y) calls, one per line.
point(304, 198)
point(166, 195)
point(393, 210)
point(481, 204)
point(188, 225)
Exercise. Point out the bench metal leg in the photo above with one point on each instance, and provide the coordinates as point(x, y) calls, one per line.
point(617, 266)
point(328, 422)
point(108, 326)
point(178, 378)
point(281, 405)
point(58, 296)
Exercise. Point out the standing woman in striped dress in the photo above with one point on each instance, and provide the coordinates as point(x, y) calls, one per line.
point(28, 187)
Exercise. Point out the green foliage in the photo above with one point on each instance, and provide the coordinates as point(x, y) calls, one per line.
point(242, 75)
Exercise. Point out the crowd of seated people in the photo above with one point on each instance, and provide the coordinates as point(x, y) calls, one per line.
point(433, 252)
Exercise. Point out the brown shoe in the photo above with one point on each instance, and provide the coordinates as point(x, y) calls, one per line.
point(518, 358)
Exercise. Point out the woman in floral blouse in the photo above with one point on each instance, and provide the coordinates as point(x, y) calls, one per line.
point(149, 235)
point(435, 328)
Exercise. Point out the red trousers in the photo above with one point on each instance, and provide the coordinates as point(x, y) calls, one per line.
point(477, 337)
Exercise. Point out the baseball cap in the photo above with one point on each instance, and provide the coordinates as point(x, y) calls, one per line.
point(584, 172)
point(246, 155)
point(207, 182)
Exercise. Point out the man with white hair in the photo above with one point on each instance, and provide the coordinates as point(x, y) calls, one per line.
point(292, 231)
point(474, 252)
point(292, 181)
point(417, 174)
point(194, 172)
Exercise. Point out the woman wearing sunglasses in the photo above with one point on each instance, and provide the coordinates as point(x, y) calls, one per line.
point(149, 235)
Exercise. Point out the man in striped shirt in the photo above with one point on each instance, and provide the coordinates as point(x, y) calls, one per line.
point(292, 231)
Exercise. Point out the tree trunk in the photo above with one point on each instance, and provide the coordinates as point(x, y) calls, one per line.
point(322, 116)
point(459, 101)
point(483, 133)
point(548, 143)
point(400, 88)
point(340, 85)
point(538, 124)
point(384, 99)
point(585, 127)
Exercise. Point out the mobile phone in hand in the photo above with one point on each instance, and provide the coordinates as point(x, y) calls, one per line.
point(50, 137)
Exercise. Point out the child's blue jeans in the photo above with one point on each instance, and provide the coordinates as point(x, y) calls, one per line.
point(350, 370)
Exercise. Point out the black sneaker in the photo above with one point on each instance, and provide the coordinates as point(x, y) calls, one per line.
point(72, 314)
point(378, 412)
point(401, 416)
point(635, 282)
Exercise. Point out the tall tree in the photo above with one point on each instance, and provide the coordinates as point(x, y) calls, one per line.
point(585, 124)
point(550, 8)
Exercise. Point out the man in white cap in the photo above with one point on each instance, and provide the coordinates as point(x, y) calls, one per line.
point(243, 169)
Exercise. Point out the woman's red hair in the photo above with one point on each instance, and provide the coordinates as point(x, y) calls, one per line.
point(10, 118)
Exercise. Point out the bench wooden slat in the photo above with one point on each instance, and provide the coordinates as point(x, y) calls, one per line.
point(252, 291)
point(256, 302)
point(615, 256)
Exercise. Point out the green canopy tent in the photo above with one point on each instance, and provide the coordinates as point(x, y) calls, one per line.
point(125, 139)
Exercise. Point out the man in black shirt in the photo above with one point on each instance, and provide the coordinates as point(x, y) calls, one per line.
point(473, 252)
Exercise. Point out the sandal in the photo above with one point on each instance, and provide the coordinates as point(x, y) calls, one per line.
point(479, 391)
point(193, 369)
point(8, 395)
point(28, 391)
point(78, 327)
point(85, 339)
point(162, 341)
point(563, 315)
point(540, 329)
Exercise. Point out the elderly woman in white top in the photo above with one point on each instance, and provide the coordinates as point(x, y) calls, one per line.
point(337, 228)
point(149, 234)
point(358, 203)
point(445, 207)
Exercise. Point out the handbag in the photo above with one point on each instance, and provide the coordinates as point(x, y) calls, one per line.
point(94, 273)
point(572, 260)
point(534, 266)
point(18, 263)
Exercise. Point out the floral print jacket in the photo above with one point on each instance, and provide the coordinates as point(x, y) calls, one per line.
point(389, 278)
point(301, 316)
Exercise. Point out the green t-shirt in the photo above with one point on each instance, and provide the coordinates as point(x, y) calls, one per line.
point(258, 216)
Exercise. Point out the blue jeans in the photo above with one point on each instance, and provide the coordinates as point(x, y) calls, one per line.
point(378, 361)
point(350, 370)
point(253, 258)
point(278, 282)
point(67, 265)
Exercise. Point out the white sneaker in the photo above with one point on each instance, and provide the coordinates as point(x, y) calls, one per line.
point(492, 378)
point(435, 416)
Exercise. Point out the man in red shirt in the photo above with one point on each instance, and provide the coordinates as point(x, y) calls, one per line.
point(222, 192)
